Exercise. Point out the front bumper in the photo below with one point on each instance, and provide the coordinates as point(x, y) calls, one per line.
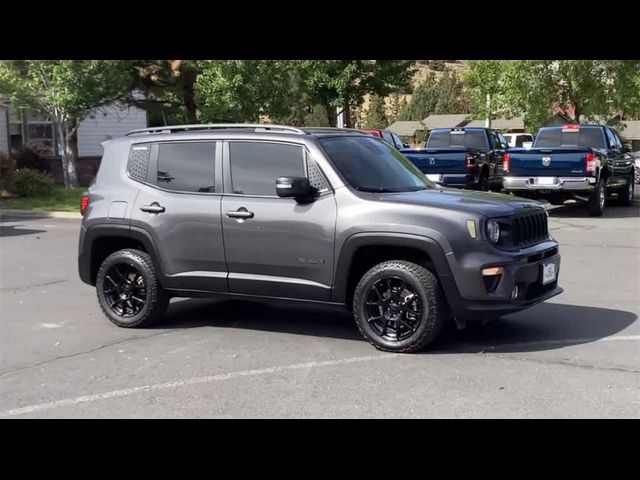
point(471, 300)
point(540, 183)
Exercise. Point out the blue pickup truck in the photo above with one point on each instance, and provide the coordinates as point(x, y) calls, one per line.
point(462, 157)
point(581, 162)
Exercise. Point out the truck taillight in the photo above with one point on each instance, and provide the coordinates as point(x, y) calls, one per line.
point(505, 162)
point(590, 161)
point(84, 203)
point(470, 161)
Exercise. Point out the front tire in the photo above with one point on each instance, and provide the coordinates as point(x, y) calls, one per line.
point(626, 198)
point(128, 289)
point(597, 200)
point(399, 306)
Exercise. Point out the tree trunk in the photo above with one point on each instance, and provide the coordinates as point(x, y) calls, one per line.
point(68, 147)
point(576, 113)
point(332, 116)
point(347, 116)
point(188, 97)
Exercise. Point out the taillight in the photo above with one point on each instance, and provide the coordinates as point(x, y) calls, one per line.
point(590, 162)
point(84, 203)
point(505, 162)
point(470, 161)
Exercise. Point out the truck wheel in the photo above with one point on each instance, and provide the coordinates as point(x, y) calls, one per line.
point(626, 198)
point(597, 200)
point(128, 289)
point(398, 306)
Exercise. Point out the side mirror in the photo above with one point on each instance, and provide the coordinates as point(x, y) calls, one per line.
point(406, 145)
point(626, 148)
point(293, 187)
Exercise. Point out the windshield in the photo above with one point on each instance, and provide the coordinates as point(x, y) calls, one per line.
point(457, 138)
point(577, 137)
point(370, 165)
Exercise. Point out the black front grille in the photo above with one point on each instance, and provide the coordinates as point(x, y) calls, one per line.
point(530, 229)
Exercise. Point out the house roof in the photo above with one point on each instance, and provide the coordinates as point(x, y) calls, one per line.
point(406, 127)
point(630, 129)
point(445, 121)
point(515, 123)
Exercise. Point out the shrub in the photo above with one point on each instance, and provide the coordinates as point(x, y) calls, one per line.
point(28, 182)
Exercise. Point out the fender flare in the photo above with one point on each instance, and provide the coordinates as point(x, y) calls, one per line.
point(426, 244)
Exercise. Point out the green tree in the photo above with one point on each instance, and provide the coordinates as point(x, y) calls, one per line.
point(244, 90)
point(67, 90)
point(169, 89)
point(486, 87)
point(344, 83)
point(423, 100)
point(449, 95)
point(376, 114)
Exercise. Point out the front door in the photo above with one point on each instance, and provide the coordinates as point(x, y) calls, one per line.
point(275, 246)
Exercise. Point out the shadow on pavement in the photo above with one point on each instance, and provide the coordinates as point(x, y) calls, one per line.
point(544, 327)
point(612, 210)
point(17, 230)
point(13, 217)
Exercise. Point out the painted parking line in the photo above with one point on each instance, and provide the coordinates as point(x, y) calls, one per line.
point(190, 381)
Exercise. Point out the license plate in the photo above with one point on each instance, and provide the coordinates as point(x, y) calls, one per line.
point(548, 273)
point(435, 178)
point(545, 181)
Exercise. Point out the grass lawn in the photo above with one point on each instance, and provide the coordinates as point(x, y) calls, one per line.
point(61, 200)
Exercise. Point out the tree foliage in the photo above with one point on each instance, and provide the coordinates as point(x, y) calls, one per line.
point(376, 114)
point(67, 90)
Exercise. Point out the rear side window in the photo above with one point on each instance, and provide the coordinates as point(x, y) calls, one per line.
point(577, 137)
point(387, 137)
point(457, 138)
point(186, 167)
point(256, 165)
point(139, 162)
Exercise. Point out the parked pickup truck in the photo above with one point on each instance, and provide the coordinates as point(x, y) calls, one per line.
point(582, 162)
point(461, 157)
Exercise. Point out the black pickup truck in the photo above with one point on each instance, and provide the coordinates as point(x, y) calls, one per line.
point(462, 157)
point(581, 162)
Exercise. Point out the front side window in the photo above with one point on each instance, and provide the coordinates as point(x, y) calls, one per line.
point(370, 165)
point(256, 165)
point(186, 166)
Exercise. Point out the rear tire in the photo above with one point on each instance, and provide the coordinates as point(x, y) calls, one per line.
point(398, 306)
point(626, 198)
point(128, 290)
point(597, 200)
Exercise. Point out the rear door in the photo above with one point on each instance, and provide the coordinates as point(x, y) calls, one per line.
point(178, 205)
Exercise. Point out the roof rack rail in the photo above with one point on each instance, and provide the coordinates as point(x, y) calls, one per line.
point(336, 129)
point(216, 126)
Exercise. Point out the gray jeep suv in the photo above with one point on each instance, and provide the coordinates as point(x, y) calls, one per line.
point(312, 214)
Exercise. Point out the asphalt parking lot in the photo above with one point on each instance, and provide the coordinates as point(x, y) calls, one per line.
point(576, 356)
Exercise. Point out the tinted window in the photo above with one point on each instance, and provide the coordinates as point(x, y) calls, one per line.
point(368, 164)
point(387, 136)
point(256, 165)
point(186, 167)
point(460, 138)
point(558, 137)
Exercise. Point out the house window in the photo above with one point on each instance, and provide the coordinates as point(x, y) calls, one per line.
point(40, 133)
point(16, 142)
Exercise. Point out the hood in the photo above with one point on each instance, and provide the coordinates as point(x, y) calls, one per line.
point(485, 203)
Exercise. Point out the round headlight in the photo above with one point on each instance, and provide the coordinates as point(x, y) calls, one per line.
point(493, 231)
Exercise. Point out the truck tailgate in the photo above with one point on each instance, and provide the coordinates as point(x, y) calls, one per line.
point(553, 162)
point(433, 160)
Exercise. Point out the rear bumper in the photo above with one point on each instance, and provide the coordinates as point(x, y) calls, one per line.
point(452, 179)
point(546, 183)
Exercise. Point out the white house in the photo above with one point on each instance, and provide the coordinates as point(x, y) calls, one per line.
point(19, 127)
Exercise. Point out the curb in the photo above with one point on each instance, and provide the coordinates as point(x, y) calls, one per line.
point(38, 213)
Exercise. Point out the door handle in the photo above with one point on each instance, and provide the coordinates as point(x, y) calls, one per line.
point(242, 213)
point(153, 208)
